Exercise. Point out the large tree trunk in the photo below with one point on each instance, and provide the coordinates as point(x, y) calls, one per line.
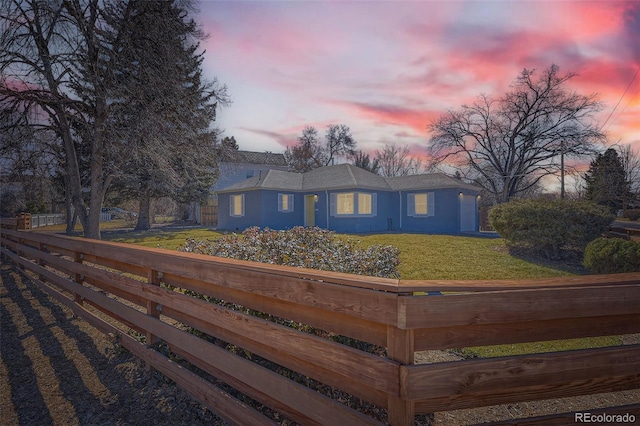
point(71, 215)
point(144, 209)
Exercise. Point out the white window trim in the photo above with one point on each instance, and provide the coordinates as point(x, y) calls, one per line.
point(411, 204)
point(290, 206)
point(356, 207)
point(232, 204)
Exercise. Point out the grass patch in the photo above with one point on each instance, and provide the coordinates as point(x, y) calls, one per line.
point(541, 347)
point(168, 239)
point(422, 257)
point(446, 257)
point(104, 226)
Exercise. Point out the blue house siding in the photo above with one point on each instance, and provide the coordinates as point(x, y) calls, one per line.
point(377, 222)
point(434, 204)
point(252, 211)
point(275, 219)
point(392, 212)
point(446, 213)
point(260, 209)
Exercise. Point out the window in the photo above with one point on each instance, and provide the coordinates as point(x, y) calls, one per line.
point(420, 205)
point(353, 204)
point(345, 203)
point(236, 204)
point(250, 174)
point(365, 203)
point(285, 203)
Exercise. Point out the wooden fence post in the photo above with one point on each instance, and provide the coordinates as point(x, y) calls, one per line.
point(400, 347)
point(153, 278)
point(20, 241)
point(42, 248)
point(24, 221)
point(78, 257)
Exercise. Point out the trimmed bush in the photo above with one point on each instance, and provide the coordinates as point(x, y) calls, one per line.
point(549, 227)
point(633, 214)
point(313, 248)
point(612, 255)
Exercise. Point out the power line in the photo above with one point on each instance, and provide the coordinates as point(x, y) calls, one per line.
point(620, 100)
point(626, 106)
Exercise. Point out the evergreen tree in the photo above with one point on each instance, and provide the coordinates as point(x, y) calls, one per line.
point(166, 108)
point(606, 181)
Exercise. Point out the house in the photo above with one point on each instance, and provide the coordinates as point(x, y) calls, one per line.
point(236, 167)
point(345, 198)
point(241, 165)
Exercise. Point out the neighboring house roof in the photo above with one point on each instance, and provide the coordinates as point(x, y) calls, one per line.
point(343, 176)
point(256, 158)
point(270, 179)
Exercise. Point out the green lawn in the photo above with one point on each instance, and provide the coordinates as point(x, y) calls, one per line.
point(444, 257)
point(422, 257)
point(164, 239)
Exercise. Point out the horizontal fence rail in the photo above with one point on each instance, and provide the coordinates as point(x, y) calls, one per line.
point(166, 298)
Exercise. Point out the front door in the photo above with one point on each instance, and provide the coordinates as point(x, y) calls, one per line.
point(309, 210)
point(468, 213)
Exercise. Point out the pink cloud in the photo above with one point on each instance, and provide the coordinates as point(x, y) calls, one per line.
point(414, 119)
point(400, 65)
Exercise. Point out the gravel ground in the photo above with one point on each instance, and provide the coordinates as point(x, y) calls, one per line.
point(528, 409)
point(56, 369)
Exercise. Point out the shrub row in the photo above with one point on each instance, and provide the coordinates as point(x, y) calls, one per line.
point(549, 227)
point(633, 214)
point(304, 247)
point(612, 255)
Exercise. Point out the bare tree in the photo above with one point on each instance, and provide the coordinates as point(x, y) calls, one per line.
point(396, 160)
point(52, 54)
point(310, 153)
point(508, 144)
point(70, 58)
point(27, 163)
point(630, 159)
point(364, 161)
point(339, 143)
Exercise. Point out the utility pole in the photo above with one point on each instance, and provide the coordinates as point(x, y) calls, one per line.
point(562, 170)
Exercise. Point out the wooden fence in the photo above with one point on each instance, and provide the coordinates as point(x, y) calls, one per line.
point(209, 214)
point(120, 287)
point(621, 232)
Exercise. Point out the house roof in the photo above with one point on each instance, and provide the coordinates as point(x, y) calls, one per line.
point(428, 181)
point(344, 176)
point(256, 158)
point(270, 179)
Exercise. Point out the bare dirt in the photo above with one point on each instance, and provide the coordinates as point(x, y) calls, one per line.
point(56, 369)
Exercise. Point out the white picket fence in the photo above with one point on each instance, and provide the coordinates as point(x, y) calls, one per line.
point(46, 219)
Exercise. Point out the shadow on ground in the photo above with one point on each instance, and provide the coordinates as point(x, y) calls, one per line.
point(57, 369)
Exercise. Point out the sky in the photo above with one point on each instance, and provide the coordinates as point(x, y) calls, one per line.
point(388, 68)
